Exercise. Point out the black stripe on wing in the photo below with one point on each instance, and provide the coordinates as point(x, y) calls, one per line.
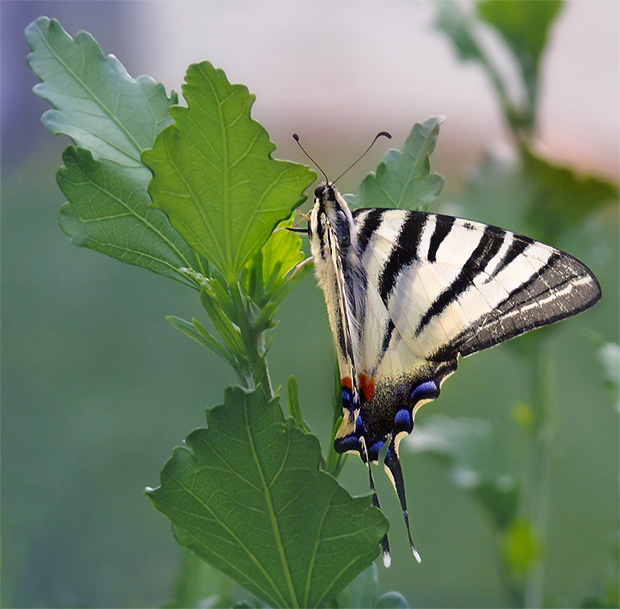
point(367, 226)
point(486, 249)
point(443, 226)
point(561, 288)
point(517, 247)
point(402, 255)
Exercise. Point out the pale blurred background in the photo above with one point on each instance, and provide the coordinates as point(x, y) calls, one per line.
point(97, 388)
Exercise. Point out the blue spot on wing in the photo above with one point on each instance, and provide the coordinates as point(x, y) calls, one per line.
point(359, 427)
point(424, 391)
point(350, 442)
point(347, 398)
point(373, 451)
point(403, 421)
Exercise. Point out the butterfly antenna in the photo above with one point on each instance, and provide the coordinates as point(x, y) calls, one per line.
point(296, 138)
point(380, 134)
point(385, 543)
point(395, 472)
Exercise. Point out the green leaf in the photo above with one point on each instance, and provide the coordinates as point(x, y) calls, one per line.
point(196, 332)
point(403, 179)
point(96, 103)
point(109, 211)
point(292, 401)
point(459, 27)
point(212, 301)
point(473, 453)
point(524, 26)
point(271, 274)
point(559, 198)
point(246, 495)
point(214, 175)
point(281, 254)
point(361, 592)
point(112, 117)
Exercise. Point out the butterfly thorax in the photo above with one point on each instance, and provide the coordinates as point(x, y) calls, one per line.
point(333, 241)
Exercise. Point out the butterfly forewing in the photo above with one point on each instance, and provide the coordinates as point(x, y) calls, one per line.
point(456, 286)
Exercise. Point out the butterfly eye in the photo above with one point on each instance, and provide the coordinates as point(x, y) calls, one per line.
point(318, 191)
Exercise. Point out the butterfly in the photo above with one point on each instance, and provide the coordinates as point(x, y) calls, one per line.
point(408, 293)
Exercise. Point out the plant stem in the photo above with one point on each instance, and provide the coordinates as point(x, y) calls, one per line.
point(253, 341)
point(541, 439)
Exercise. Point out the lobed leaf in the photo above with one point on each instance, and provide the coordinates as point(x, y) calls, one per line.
point(403, 179)
point(109, 211)
point(280, 255)
point(246, 495)
point(214, 175)
point(96, 103)
point(112, 118)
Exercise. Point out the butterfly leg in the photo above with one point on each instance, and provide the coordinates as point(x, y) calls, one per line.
point(300, 266)
point(395, 472)
point(385, 543)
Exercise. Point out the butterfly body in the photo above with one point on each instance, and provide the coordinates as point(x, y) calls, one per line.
point(410, 292)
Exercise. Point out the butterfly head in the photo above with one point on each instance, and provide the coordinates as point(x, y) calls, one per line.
point(326, 196)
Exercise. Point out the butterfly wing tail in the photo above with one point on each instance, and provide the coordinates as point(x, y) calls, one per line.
point(395, 472)
point(385, 543)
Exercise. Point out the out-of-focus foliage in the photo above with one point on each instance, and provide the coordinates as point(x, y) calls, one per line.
point(609, 357)
point(524, 29)
point(470, 448)
point(362, 593)
point(558, 198)
point(548, 201)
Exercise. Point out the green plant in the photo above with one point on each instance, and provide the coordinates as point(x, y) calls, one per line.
point(193, 194)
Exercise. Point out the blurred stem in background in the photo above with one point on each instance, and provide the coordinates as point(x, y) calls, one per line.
point(556, 200)
point(541, 439)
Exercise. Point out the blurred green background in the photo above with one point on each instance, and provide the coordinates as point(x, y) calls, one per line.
point(97, 388)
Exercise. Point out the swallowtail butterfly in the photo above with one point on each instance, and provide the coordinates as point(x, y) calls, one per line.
point(407, 293)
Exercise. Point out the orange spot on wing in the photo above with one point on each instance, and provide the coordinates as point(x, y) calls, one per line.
point(367, 385)
point(347, 382)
